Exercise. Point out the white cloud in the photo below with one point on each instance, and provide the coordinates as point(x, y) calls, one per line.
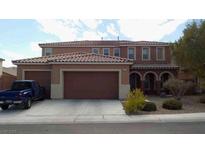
point(65, 30)
point(9, 56)
point(35, 47)
point(69, 30)
point(152, 30)
point(102, 34)
point(91, 23)
point(90, 35)
point(112, 30)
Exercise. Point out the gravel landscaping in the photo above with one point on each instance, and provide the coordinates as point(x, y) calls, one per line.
point(191, 104)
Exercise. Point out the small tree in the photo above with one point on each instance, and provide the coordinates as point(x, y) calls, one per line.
point(135, 101)
point(189, 50)
point(177, 87)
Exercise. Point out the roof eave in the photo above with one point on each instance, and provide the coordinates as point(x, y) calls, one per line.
point(16, 63)
point(76, 63)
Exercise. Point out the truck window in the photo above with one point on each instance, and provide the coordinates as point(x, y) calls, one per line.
point(21, 85)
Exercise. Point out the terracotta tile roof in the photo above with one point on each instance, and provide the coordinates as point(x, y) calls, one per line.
point(155, 66)
point(77, 57)
point(96, 43)
point(147, 43)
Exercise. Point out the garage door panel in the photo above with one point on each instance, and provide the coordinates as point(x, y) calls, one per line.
point(91, 85)
point(42, 77)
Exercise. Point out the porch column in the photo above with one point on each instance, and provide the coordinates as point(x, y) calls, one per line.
point(158, 86)
point(142, 85)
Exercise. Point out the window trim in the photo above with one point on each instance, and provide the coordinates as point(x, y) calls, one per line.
point(119, 52)
point(94, 49)
point(45, 51)
point(134, 53)
point(163, 54)
point(108, 52)
point(149, 57)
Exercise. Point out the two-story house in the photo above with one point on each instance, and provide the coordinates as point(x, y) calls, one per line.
point(99, 69)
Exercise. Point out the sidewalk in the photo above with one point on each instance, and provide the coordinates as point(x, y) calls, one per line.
point(162, 118)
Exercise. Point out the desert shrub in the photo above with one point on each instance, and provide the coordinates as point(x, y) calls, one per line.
point(135, 101)
point(172, 104)
point(178, 87)
point(202, 99)
point(149, 106)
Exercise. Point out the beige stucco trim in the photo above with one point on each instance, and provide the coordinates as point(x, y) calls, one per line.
point(56, 91)
point(26, 70)
point(123, 89)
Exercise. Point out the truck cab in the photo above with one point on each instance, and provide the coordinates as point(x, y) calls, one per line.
point(21, 92)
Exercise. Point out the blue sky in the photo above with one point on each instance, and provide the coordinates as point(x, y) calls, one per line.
point(19, 38)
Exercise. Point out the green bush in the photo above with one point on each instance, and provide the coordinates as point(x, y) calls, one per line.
point(202, 99)
point(149, 106)
point(172, 104)
point(135, 102)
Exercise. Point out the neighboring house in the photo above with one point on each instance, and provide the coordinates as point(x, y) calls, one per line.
point(7, 76)
point(99, 69)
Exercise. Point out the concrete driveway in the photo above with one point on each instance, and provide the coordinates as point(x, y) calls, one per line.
point(61, 109)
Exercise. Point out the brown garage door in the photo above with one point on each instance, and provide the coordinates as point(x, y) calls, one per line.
point(91, 85)
point(42, 77)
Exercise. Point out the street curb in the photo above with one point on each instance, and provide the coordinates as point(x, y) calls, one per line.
point(91, 119)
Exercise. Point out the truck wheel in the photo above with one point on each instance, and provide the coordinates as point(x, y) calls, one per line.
point(4, 107)
point(27, 104)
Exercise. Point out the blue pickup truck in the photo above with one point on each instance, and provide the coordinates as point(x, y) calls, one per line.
point(22, 92)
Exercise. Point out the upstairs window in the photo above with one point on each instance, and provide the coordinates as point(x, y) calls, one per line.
point(106, 51)
point(131, 53)
point(116, 52)
point(95, 50)
point(145, 53)
point(47, 51)
point(160, 53)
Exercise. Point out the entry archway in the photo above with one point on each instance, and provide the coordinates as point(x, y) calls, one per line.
point(150, 79)
point(164, 76)
point(135, 80)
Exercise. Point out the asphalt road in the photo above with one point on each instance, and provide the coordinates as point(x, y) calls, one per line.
point(106, 128)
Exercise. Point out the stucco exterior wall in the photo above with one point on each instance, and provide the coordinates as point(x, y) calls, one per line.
point(20, 69)
point(58, 69)
point(123, 52)
point(55, 79)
